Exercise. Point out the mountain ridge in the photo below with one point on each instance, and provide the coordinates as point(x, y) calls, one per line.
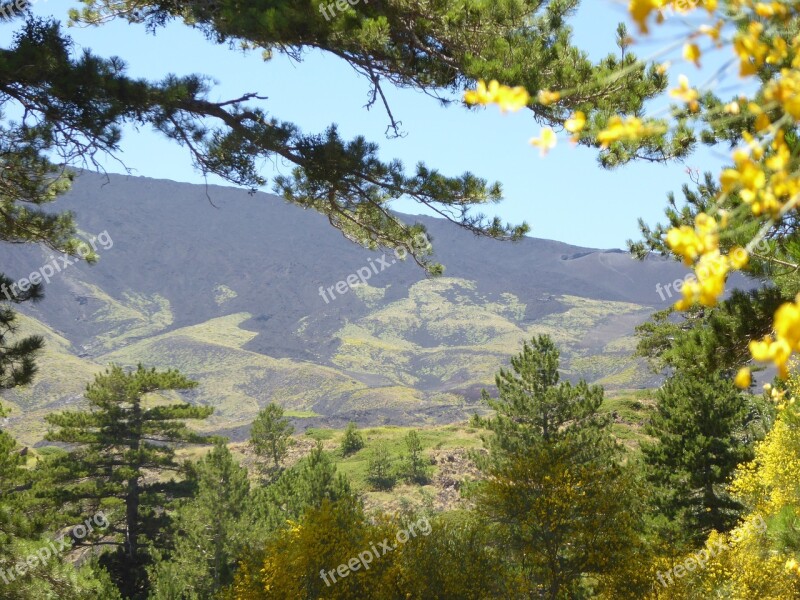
point(190, 265)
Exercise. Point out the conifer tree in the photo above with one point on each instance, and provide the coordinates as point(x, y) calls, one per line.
point(17, 355)
point(554, 484)
point(415, 466)
point(25, 529)
point(124, 450)
point(380, 472)
point(13, 480)
point(271, 435)
point(210, 531)
point(700, 430)
point(306, 484)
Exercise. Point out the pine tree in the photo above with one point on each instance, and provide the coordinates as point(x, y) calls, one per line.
point(210, 531)
point(554, 483)
point(352, 441)
point(14, 479)
point(25, 528)
point(415, 466)
point(700, 430)
point(124, 450)
point(380, 472)
point(271, 435)
point(17, 356)
point(311, 481)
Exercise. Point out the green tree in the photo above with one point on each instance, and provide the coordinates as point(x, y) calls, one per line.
point(415, 465)
point(210, 531)
point(312, 480)
point(554, 485)
point(271, 435)
point(352, 441)
point(124, 448)
point(459, 558)
point(380, 471)
point(14, 480)
point(17, 356)
point(25, 528)
point(700, 438)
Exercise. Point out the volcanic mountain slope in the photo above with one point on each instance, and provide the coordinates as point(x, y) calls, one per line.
point(225, 286)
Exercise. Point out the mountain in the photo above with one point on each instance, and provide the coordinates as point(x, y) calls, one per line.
point(228, 287)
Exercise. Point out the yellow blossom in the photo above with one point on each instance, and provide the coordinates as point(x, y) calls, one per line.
point(547, 97)
point(786, 340)
point(692, 53)
point(732, 108)
point(546, 141)
point(640, 11)
point(507, 98)
point(686, 93)
point(751, 50)
point(575, 124)
point(743, 378)
point(690, 243)
point(712, 32)
point(785, 91)
point(738, 257)
point(631, 128)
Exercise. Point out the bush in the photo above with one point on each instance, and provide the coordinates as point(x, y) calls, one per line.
point(352, 441)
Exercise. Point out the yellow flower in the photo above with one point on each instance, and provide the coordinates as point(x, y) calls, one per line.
point(738, 257)
point(546, 140)
point(512, 99)
point(547, 97)
point(785, 91)
point(686, 93)
point(787, 324)
point(575, 124)
point(692, 53)
point(477, 96)
point(713, 32)
point(691, 243)
point(732, 108)
point(632, 128)
point(743, 378)
point(640, 11)
point(751, 50)
point(760, 350)
point(762, 122)
point(507, 98)
point(749, 178)
point(778, 52)
point(770, 9)
point(786, 340)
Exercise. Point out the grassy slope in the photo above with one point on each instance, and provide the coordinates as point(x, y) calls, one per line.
point(420, 359)
point(466, 337)
point(449, 446)
point(236, 382)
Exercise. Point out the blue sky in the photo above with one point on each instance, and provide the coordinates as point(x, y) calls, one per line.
point(564, 196)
